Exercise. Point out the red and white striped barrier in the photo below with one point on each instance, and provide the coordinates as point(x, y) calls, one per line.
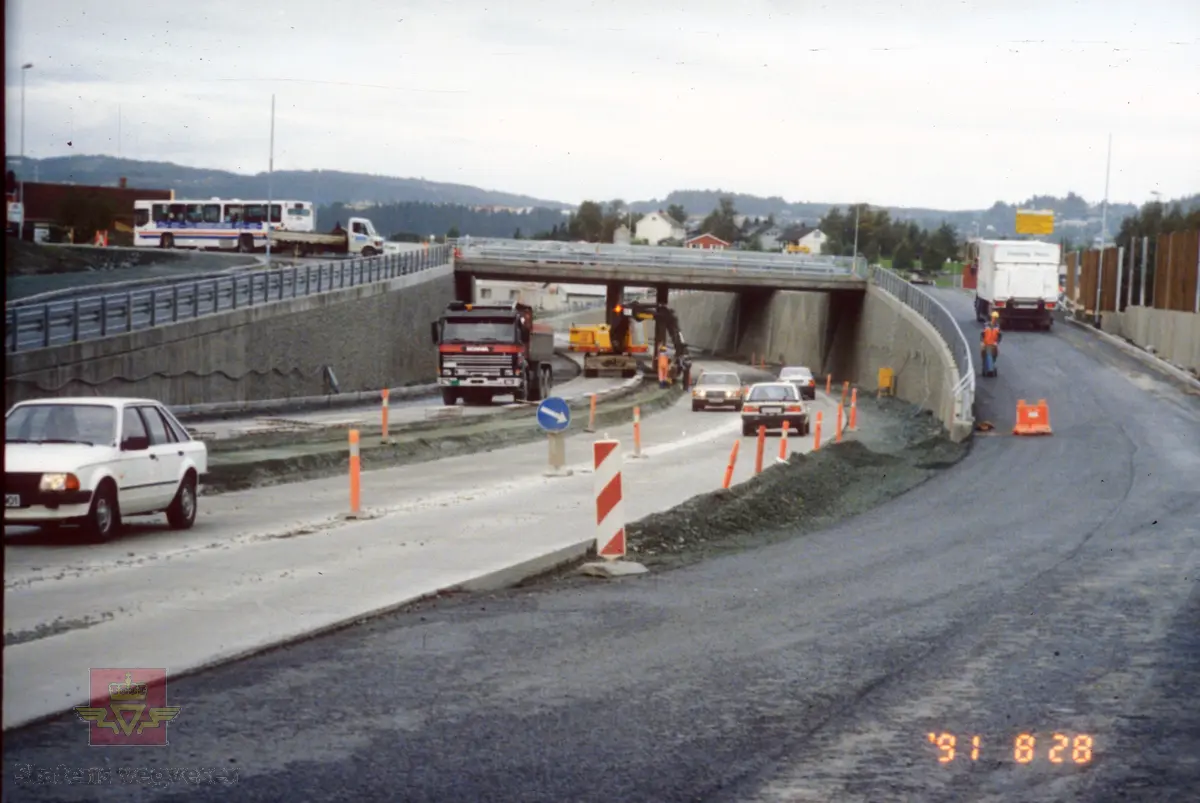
point(610, 510)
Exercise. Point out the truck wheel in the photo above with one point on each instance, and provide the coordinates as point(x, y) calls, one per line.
point(166, 241)
point(368, 251)
point(697, 406)
point(590, 373)
point(246, 244)
point(449, 397)
point(547, 382)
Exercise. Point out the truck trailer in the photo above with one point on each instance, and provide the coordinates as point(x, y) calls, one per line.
point(1019, 280)
point(359, 239)
point(487, 350)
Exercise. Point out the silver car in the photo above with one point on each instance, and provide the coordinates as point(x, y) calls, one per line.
point(802, 378)
point(717, 389)
point(774, 405)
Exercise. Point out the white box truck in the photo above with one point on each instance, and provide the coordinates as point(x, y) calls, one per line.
point(1019, 280)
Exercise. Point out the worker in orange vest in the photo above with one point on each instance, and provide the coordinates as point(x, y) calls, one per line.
point(989, 338)
point(664, 367)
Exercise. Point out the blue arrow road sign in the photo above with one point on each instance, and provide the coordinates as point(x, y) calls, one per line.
point(553, 414)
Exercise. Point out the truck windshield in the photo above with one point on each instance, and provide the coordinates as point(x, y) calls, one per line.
point(475, 331)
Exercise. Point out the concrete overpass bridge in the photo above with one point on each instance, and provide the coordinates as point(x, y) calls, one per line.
point(754, 276)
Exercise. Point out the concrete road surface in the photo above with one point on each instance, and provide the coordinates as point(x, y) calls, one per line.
point(283, 550)
point(1044, 588)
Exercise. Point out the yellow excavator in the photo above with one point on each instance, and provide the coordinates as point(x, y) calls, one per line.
point(621, 358)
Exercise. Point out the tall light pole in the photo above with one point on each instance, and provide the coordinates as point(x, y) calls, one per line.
point(1103, 230)
point(21, 186)
point(857, 209)
point(270, 177)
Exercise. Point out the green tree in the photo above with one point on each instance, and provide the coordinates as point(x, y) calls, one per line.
point(720, 222)
point(587, 223)
point(677, 212)
point(902, 257)
point(452, 233)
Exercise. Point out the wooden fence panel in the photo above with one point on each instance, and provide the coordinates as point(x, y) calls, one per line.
point(1072, 267)
point(1108, 287)
point(1087, 280)
point(1184, 247)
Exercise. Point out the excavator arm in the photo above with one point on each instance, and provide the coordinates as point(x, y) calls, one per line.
point(663, 316)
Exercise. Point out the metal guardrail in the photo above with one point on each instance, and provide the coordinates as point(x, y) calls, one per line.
point(103, 315)
point(940, 318)
point(649, 256)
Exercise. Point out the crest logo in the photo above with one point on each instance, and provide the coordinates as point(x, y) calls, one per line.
point(128, 708)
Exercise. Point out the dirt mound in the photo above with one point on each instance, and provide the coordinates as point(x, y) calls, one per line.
point(806, 493)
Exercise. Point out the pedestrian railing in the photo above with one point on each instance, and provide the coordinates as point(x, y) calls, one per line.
point(84, 318)
point(940, 318)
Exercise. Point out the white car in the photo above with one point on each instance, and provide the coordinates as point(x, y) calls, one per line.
point(95, 460)
point(774, 405)
point(802, 377)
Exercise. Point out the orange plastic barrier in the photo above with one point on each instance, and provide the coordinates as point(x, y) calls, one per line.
point(1032, 419)
point(732, 463)
point(762, 442)
point(817, 434)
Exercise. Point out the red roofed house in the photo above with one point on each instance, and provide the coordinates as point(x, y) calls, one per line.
point(707, 242)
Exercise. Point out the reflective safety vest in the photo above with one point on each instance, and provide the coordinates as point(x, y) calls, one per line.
point(991, 336)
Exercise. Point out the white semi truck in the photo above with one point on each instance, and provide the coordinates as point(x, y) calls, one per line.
point(1019, 280)
point(359, 238)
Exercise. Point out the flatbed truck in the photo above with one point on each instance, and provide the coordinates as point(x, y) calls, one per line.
point(359, 238)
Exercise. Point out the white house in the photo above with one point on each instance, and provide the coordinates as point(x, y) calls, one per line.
point(804, 239)
point(658, 226)
point(621, 235)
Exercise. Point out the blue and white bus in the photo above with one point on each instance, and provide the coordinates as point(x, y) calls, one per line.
point(216, 223)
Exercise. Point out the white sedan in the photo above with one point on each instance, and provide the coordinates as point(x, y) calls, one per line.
point(95, 460)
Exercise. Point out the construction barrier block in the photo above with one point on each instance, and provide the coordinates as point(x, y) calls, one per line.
point(1032, 419)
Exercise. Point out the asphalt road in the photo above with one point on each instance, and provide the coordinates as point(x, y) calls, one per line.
point(1045, 586)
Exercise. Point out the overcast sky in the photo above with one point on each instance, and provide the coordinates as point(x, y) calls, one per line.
point(937, 103)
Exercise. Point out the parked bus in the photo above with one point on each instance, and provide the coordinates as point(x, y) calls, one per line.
point(216, 223)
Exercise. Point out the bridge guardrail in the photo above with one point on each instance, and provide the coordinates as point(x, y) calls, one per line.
point(652, 256)
point(940, 318)
point(85, 318)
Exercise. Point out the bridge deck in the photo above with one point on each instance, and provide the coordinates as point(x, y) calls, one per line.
point(681, 268)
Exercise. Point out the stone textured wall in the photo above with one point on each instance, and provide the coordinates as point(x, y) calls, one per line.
point(372, 336)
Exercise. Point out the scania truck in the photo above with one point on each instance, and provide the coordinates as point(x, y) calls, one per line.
point(1019, 280)
point(487, 350)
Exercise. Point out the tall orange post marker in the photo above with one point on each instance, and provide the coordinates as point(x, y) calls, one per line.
point(762, 444)
point(384, 437)
point(610, 508)
point(355, 468)
point(838, 433)
point(783, 447)
point(637, 432)
point(845, 392)
point(733, 453)
point(591, 427)
point(854, 410)
point(828, 383)
point(817, 433)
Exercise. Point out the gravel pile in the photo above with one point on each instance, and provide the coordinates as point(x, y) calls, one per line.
point(807, 493)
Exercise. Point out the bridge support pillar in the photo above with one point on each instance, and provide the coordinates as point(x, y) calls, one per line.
point(661, 294)
point(613, 294)
point(464, 287)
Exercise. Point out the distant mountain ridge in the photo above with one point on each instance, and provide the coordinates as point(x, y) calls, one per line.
point(1075, 216)
point(319, 186)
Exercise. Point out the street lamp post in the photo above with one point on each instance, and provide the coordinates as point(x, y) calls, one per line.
point(857, 208)
point(270, 180)
point(21, 185)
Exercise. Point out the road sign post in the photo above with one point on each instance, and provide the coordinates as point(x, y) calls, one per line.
point(554, 416)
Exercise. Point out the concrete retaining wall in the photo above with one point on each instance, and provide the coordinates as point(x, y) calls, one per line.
point(849, 335)
point(372, 336)
point(1175, 336)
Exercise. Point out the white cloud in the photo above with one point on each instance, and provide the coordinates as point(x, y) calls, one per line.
point(934, 103)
